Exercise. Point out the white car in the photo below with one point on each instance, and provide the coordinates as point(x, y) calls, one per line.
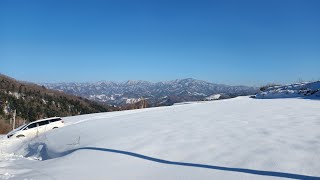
point(36, 128)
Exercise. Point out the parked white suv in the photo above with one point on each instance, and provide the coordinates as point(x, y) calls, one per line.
point(35, 128)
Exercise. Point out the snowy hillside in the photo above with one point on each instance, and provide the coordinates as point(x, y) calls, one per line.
point(240, 138)
point(304, 90)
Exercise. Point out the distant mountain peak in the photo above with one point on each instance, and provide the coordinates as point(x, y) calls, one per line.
point(136, 82)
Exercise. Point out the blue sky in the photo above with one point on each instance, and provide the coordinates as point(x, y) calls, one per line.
point(231, 42)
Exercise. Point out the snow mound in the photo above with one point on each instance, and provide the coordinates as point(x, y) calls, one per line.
point(309, 90)
point(217, 97)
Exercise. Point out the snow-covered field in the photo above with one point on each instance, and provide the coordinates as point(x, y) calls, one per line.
point(239, 138)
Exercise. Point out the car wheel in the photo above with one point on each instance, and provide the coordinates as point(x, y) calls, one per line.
point(20, 136)
point(55, 128)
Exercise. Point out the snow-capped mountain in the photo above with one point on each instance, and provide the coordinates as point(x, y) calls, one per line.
point(159, 93)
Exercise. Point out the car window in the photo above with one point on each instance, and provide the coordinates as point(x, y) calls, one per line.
point(54, 120)
point(21, 127)
point(30, 126)
point(43, 123)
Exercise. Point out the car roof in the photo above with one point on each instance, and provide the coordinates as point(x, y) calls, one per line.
point(45, 119)
point(22, 126)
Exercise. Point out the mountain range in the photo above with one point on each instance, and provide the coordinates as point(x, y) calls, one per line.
point(32, 102)
point(156, 94)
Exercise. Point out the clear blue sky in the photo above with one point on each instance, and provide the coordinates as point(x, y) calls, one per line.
point(232, 42)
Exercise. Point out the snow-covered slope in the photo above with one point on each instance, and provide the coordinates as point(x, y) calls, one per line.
point(304, 90)
point(239, 138)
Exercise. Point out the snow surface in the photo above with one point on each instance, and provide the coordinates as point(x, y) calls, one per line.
point(240, 138)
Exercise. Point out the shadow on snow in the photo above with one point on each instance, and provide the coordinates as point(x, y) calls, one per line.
point(248, 171)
